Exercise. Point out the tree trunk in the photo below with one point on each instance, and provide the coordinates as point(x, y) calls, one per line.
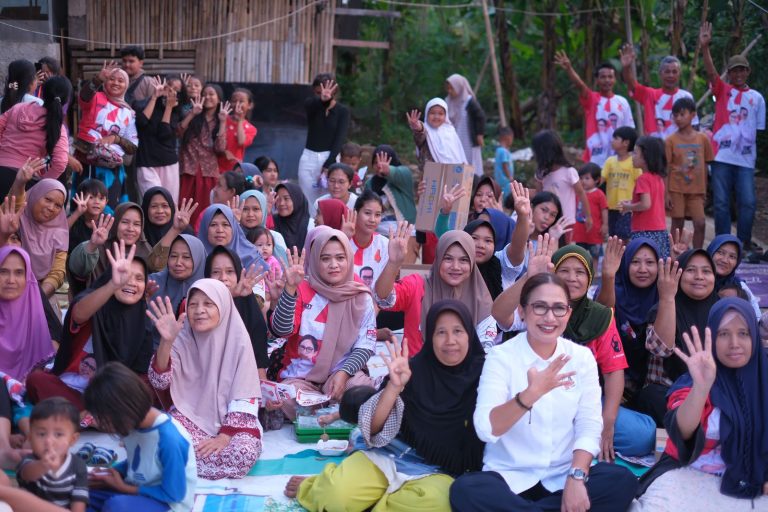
point(645, 43)
point(508, 74)
point(678, 18)
point(548, 100)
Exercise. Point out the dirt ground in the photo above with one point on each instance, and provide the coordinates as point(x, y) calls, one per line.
point(760, 227)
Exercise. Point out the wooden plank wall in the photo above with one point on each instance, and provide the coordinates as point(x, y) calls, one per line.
point(289, 50)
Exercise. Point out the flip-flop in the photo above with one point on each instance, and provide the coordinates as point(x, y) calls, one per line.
point(86, 451)
point(102, 457)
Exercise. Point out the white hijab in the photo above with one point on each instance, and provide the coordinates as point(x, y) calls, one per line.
point(444, 143)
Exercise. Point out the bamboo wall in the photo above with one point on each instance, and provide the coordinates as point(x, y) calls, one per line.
point(289, 50)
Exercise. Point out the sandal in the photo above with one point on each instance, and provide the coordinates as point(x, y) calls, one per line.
point(102, 457)
point(86, 451)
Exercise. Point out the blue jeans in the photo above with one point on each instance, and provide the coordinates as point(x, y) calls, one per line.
point(634, 433)
point(102, 500)
point(727, 178)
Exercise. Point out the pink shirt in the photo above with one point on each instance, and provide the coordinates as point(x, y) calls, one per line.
point(561, 182)
point(22, 135)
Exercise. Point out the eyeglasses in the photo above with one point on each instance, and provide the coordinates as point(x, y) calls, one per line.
point(542, 308)
point(338, 182)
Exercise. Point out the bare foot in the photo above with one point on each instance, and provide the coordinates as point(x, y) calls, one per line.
point(292, 487)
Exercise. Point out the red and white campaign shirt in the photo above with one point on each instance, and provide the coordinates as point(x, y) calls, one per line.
point(602, 115)
point(374, 256)
point(657, 107)
point(739, 113)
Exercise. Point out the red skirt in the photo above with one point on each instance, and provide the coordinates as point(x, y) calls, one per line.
point(198, 188)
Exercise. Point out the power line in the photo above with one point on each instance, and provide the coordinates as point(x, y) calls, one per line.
point(421, 5)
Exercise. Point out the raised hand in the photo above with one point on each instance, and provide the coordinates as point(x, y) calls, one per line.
point(160, 311)
point(397, 363)
point(158, 86)
point(542, 382)
point(540, 257)
point(106, 69)
point(614, 250)
point(327, 90)
point(562, 60)
point(224, 112)
point(705, 34)
point(382, 163)
point(275, 283)
point(30, 169)
point(9, 217)
point(398, 242)
point(121, 263)
point(236, 207)
point(669, 278)
point(197, 105)
point(184, 214)
point(699, 359)
point(451, 196)
point(521, 198)
point(559, 228)
point(248, 279)
point(270, 202)
point(100, 231)
point(348, 223)
point(680, 242)
point(294, 271)
point(627, 54)
point(171, 97)
point(414, 120)
point(151, 289)
point(185, 78)
point(81, 200)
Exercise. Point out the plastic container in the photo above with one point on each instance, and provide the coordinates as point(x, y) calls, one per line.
point(332, 447)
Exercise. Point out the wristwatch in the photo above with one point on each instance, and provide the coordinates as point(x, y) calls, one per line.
point(578, 474)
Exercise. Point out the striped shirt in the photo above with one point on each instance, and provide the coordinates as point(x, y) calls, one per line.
point(68, 484)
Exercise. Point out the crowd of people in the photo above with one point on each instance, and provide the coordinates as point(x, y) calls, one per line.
point(194, 275)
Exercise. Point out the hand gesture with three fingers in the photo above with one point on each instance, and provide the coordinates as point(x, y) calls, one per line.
point(161, 313)
point(398, 242)
point(100, 230)
point(120, 260)
point(414, 120)
point(614, 250)
point(451, 196)
point(9, 218)
point(669, 278)
point(348, 223)
point(699, 359)
point(397, 363)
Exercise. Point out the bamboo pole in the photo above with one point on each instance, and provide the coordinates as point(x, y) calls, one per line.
point(494, 64)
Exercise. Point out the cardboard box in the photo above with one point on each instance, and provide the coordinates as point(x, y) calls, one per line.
point(437, 176)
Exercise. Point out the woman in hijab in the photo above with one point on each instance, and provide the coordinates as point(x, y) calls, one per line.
point(184, 267)
point(106, 133)
point(45, 233)
point(329, 308)
point(255, 212)
point(454, 275)
point(393, 182)
point(484, 236)
point(417, 432)
point(218, 226)
point(485, 194)
point(206, 360)
point(159, 209)
point(331, 213)
point(105, 323)
point(468, 117)
point(717, 449)
point(224, 265)
point(726, 252)
point(435, 138)
point(292, 220)
point(686, 295)
point(89, 260)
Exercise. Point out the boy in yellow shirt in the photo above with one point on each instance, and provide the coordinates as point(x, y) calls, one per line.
point(619, 177)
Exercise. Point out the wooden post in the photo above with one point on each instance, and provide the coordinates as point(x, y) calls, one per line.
point(494, 64)
point(628, 26)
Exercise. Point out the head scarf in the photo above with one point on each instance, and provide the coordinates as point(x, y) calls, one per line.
point(249, 170)
point(458, 105)
point(633, 303)
point(279, 250)
point(119, 100)
point(390, 152)
point(154, 232)
point(473, 292)
point(712, 248)
point(503, 227)
point(440, 400)
point(333, 212)
point(213, 368)
point(589, 320)
point(347, 304)
point(118, 331)
point(491, 269)
point(443, 141)
point(25, 341)
point(169, 286)
point(249, 309)
point(249, 254)
point(143, 249)
point(688, 312)
point(480, 181)
point(741, 394)
point(294, 227)
point(43, 240)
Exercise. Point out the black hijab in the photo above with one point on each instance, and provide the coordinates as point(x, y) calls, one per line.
point(294, 227)
point(377, 183)
point(118, 331)
point(440, 400)
point(154, 232)
point(491, 269)
point(247, 307)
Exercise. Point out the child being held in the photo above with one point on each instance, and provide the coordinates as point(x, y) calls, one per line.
point(592, 239)
point(52, 473)
point(160, 473)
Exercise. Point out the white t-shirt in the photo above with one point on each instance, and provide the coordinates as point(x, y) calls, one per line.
point(373, 257)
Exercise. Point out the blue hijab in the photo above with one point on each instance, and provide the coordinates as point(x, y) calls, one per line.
point(712, 248)
point(633, 303)
point(503, 226)
point(249, 253)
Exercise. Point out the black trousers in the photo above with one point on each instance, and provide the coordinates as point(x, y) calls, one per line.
point(611, 488)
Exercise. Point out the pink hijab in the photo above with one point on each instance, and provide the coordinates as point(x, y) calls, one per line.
point(25, 341)
point(213, 368)
point(43, 240)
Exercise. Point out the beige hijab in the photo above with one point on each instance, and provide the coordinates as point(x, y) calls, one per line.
point(211, 369)
point(347, 303)
point(473, 292)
